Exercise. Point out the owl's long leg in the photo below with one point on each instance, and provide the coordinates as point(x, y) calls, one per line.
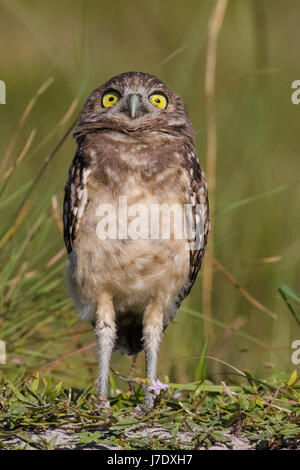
point(152, 334)
point(105, 330)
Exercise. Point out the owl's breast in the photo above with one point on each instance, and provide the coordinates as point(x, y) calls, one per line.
point(119, 249)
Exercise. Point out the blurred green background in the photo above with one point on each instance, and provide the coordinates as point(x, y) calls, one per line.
point(81, 44)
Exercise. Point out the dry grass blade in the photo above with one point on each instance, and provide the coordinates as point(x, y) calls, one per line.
point(136, 380)
point(269, 260)
point(69, 112)
point(55, 258)
point(46, 162)
point(226, 364)
point(170, 57)
point(270, 403)
point(56, 214)
point(226, 335)
point(54, 364)
point(23, 119)
point(21, 216)
point(33, 100)
point(243, 291)
point(22, 154)
point(215, 25)
point(15, 281)
point(225, 326)
point(232, 81)
point(7, 175)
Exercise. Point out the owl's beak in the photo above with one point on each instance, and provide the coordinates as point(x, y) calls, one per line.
point(134, 104)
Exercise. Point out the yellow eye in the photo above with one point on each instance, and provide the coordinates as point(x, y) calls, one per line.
point(110, 99)
point(159, 100)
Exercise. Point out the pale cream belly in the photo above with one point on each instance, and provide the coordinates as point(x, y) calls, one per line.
point(134, 272)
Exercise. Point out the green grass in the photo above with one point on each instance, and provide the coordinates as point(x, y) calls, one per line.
point(267, 415)
point(256, 222)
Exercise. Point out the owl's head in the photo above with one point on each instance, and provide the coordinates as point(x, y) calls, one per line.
point(134, 102)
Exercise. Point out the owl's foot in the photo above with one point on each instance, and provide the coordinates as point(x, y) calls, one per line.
point(103, 402)
point(101, 407)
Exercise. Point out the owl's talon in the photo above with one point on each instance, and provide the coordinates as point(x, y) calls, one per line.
point(102, 404)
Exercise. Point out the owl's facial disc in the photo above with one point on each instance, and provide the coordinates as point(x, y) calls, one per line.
point(134, 102)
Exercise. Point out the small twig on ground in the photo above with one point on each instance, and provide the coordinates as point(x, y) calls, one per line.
point(128, 379)
point(270, 403)
point(132, 370)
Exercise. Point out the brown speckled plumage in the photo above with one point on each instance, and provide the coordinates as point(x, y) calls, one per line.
point(131, 289)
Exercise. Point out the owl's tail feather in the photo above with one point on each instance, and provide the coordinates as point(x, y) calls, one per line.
point(129, 333)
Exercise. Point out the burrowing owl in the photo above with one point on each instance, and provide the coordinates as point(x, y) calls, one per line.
point(135, 144)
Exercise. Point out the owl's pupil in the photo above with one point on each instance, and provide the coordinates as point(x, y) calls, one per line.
point(157, 100)
point(111, 98)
